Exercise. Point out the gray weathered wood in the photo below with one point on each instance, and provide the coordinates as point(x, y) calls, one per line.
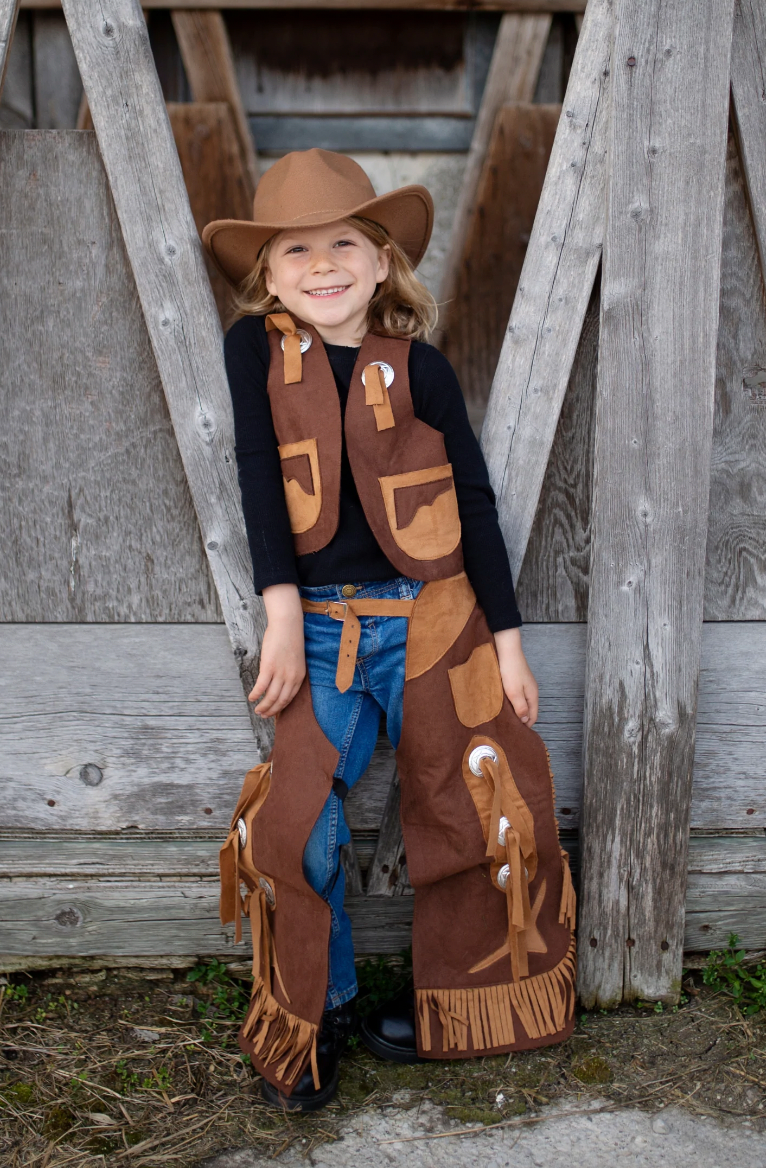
point(553, 584)
point(748, 66)
point(351, 870)
point(387, 874)
point(654, 421)
point(512, 77)
point(163, 905)
point(58, 89)
point(435, 5)
point(9, 11)
point(99, 525)
point(366, 800)
point(17, 107)
point(140, 158)
point(554, 291)
point(735, 571)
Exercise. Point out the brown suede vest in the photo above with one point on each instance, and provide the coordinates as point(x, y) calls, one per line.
point(399, 463)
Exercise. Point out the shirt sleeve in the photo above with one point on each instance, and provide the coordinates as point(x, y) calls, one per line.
point(438, 401)
point(246, 352)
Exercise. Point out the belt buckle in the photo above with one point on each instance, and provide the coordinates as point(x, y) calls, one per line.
point(339, 604)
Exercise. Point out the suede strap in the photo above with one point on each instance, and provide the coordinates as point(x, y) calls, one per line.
point(349, 612)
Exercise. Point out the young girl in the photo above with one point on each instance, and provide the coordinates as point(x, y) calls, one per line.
point(376, 547)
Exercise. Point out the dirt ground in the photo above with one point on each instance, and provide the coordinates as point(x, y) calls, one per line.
point(142, 1067)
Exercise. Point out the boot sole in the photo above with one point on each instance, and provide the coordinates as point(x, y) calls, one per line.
point(289, 1103)
point(386, 1050)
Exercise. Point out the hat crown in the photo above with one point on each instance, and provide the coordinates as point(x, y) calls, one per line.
point(310, 184)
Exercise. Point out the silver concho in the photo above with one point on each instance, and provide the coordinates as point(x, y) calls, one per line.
point(502, 828)
point(388, 373)
point(503, 874)
point(477, 754)
point(306, 340)
point(271, 899)
point(242, 829)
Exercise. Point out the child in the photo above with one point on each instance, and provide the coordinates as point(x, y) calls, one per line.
point(376, 547)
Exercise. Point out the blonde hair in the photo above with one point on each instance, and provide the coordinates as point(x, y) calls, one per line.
point(400, 307)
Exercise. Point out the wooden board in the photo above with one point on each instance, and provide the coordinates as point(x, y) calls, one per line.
point(58, 88)
point(553, 585)
point(512, 77)
point(157, 709)
point(434, 5)
point(100, 525)
point(554, 291)
point(165, 902)
point(136, 144)
point(495, 243)
point(209, 64)
point(16, 89)
point(748, 63)
point(216, 181)
point(654, 424)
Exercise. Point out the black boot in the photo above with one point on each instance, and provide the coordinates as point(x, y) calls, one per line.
point(389, 1031)
point(336, 1028)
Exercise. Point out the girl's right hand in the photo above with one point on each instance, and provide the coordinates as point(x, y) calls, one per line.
point(283, 659)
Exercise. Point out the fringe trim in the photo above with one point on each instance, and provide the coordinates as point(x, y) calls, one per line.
point(543, 1005)
point(568, 906)
point(279, 1037)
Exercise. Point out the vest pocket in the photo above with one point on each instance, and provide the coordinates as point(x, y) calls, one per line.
point(477, 687)
point(421, 507)
point(303, 485)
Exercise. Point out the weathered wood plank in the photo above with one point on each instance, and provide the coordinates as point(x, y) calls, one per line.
point(554, 290)
point(159, 906)
point(216, 181)
point(153, 918)
point(9, 11)
point(58, 89)
point(387, 874)
point(100, 525)
point(136, 143)
point(748, 66)
point(17, 110)
point(495, 244)
point(659, 316)
point(553, 584)
point(366, 801)
point(735, 570)
point(512, 77)
point(433, 5)
point(209, 64)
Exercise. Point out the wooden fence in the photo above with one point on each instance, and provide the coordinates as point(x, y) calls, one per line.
point(614, 416)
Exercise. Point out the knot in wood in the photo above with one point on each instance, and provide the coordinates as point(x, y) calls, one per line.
point(90, 774)
point(69, 917)
point(108, 29)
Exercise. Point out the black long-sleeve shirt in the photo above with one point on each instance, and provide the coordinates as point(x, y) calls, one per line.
point(353, 555)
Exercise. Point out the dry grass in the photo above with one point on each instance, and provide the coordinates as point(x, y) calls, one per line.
point(81, 1086)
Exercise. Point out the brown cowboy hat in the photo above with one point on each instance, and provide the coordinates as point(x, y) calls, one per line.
point(308, 188)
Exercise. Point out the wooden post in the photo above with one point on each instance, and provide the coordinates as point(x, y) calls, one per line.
point(512, 76)
point(748, 62)
point(209, 64)
point(654, 422)
point(145, 177)
point(9, 11)
point(554, 291)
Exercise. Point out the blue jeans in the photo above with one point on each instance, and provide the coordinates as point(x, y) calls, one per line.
point(350, 721)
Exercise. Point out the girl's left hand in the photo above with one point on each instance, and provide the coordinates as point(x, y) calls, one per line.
point(518, 679)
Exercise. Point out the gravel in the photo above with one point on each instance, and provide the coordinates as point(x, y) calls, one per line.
point(377, 1138)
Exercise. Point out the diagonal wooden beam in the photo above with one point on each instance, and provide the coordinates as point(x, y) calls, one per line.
point(9, 11)
point(209, 64)
point(554, 290)
point(161, 240)
point(748, 80)
point(654, 427)
point(512, 77)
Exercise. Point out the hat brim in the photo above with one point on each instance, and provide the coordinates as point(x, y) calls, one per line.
point(407, 215)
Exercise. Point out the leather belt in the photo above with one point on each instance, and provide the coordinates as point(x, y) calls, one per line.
point(349, 612)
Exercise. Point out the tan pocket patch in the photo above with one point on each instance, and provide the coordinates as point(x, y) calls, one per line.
point(303, 486)
point(477, 687)
point(422, 512)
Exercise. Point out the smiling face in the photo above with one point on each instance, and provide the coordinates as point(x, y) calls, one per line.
point(327, 277)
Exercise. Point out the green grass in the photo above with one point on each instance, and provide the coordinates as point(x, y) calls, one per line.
point(726, 972)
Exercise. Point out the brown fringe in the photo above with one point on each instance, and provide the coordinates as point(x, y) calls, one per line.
point(279, 1037)
point(543, 1005)
point(568, 906)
